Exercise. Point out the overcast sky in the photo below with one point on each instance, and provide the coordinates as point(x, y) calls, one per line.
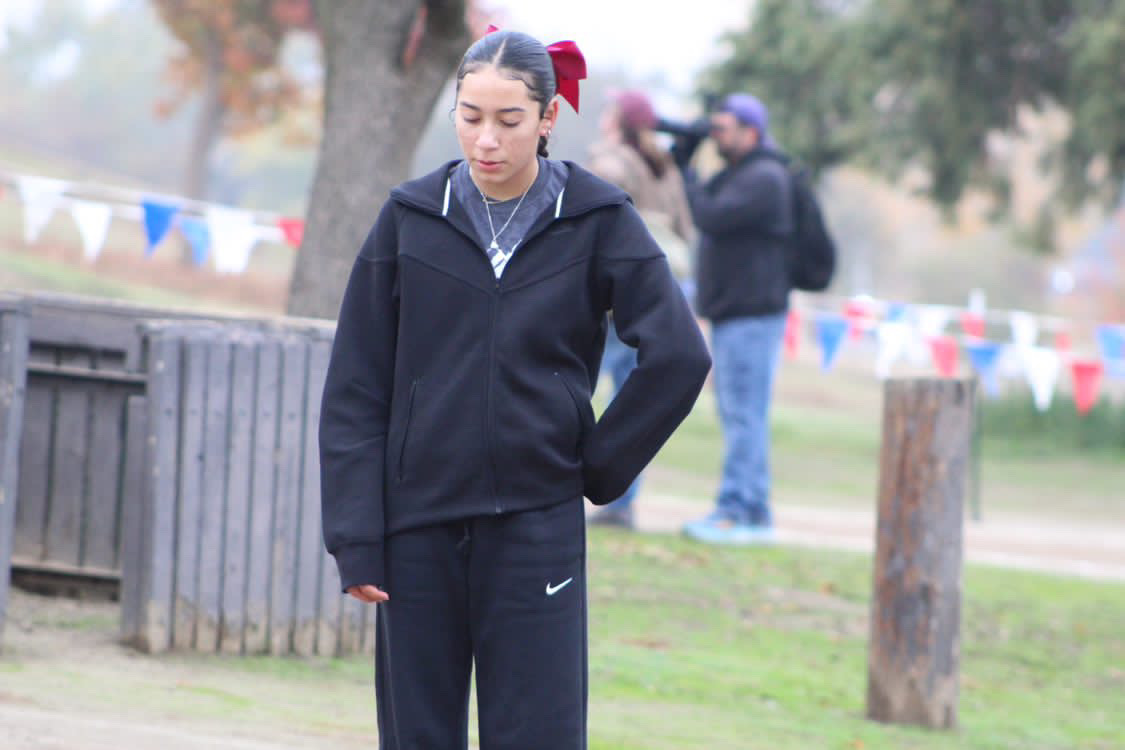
point(643, 37)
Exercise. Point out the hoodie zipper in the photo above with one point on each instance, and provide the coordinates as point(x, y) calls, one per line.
point(490, 411)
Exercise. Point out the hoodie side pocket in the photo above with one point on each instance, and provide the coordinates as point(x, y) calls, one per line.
point(584, 411)
point(406, 429)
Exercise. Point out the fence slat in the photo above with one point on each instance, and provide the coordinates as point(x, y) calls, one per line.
point(68, 472)
point(264, 483)
point(13, 369)
point(284, 554)
point(193, 388)
point(107, 406)
point(35, 470)
point(309, 538)
point(158, 520)
point(213, 501)
point(132, 516)
point(240, 454)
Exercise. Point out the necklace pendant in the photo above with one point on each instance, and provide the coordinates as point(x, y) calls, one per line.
point(494, 246)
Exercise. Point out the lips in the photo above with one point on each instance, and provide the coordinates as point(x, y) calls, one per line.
point(489, 166)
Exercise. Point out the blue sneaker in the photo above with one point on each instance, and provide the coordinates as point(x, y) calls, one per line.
point(718, 528)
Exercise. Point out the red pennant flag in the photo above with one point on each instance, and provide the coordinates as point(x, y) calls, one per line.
point(859, 315)
point(972, 324)
point(944, 351)
point(293, 229)
point(1087, 374)
point(792, 333)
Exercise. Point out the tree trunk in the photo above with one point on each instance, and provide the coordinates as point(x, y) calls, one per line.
point(208, 128)
point(375, 112)
point(208, 125)
point(913, 662)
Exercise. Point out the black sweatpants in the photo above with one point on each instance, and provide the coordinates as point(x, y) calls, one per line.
point(506, 593)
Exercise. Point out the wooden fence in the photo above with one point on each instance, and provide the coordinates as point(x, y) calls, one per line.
point(174, 455)
point(13, 364)
point(84, 365)
point(225, 553)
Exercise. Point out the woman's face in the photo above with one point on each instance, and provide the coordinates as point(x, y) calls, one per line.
point(499, 125)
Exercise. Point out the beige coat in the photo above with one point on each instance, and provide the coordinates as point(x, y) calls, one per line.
point(661, 202)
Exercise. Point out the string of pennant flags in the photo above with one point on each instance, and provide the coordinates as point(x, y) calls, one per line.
point(927, 336)
point(222, 235)
point(914, 335)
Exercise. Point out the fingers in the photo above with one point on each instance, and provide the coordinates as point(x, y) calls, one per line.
point(368, 593)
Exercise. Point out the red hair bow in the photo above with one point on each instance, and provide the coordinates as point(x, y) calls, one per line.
point(569, 64)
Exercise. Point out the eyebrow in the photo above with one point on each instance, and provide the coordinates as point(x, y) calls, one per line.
point(506, 110)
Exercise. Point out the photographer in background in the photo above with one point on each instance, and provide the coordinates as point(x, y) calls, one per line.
point(744, 215)
point(629, 157)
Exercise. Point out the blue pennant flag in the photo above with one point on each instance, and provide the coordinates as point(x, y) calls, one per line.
point(198, 236)
point(896, 312)
point(830, 329)
point(984, 355)
point(1111, 340)
point(158, 220)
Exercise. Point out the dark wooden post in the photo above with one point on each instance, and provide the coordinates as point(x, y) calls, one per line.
point(913, 663)
point(13, 374)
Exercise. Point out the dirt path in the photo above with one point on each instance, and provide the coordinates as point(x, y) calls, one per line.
point(1081, 549)
point(24, 728)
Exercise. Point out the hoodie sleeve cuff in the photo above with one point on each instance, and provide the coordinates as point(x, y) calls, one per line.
point(361, 564)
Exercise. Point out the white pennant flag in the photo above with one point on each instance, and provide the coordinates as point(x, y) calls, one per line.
point(930, 322)
point(893, 340)
point(233, 236)
point(1025, 328)
point(1042, 365)
point(93, 224)
point(41, 196)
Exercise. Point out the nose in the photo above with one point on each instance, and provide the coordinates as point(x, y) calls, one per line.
point(487, 138)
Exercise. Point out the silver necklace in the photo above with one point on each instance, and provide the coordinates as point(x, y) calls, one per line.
point(494, 246)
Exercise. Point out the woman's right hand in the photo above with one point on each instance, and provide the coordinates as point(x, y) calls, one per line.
point(368, 593)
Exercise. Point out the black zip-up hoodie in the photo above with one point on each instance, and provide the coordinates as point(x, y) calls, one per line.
point(745, 216)
point(452, 394)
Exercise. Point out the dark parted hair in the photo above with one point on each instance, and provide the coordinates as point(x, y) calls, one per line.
point(522, 58)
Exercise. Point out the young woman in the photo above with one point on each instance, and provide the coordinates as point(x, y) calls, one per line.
point(628, 156)
point(457, 437)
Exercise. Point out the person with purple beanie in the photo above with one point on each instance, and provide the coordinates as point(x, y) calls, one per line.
point(744, 215)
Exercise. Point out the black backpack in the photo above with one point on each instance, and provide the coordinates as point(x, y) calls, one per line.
point(812, 252)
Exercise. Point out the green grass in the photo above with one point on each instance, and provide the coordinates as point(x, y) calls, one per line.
point(691, 647)
point(729, 648)
point(825, 452)
point(30, 273)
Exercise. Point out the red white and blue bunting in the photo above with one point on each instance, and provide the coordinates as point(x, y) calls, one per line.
point(223, 236)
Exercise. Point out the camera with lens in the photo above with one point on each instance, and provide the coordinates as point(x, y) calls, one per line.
point(687, 135)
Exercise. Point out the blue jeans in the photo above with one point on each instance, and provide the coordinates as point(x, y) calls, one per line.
point(746, 352)
point(619, 360)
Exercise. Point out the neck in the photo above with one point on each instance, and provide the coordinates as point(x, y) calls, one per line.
point(513, 187)
point(735, 157)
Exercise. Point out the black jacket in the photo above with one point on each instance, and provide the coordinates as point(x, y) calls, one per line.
point(744, 215)
point(452, 394)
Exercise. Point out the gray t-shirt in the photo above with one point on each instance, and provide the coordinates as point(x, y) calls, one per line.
point(542, 194)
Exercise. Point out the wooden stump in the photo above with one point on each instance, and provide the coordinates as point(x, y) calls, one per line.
point(913, 663)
